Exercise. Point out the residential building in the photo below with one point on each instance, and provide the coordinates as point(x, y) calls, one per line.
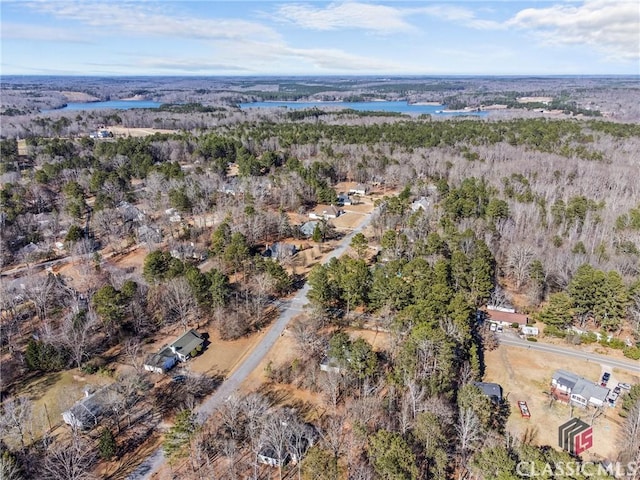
point(308, 228)
point(329, 364)
point(86, 413)
point(325, 212)
point(280, 251)
point(189, 341)
point(359, 189)
point(180, 350)
point(506, 319)
point(491, 390)
point(161, 362)
point(420, 204)
point(533, 331)
point(344, 199)
point(571, 388)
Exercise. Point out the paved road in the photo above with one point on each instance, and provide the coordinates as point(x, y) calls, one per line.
point(288, 310)
point(512, 341)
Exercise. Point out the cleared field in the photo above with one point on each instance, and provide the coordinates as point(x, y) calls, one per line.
point(220, 356)
point(526, 375)
point(136, 132)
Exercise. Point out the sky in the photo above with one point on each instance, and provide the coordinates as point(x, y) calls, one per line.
point(271, 37)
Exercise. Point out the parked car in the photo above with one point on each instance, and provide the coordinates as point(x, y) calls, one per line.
point(500, 328)
point(617, 390)
point(605, 378)
point(492, 327)
point(626, 386)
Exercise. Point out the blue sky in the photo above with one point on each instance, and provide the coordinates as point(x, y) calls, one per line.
point(553, 37)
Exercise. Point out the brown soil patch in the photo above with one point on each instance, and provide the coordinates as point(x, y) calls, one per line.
point(22, 147)
point(526, 375)
point(220, 356)
point(136, 132)
point(132, 260)
point(349, 220)
point(79, 97)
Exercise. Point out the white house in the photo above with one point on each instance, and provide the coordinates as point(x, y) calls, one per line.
point(179, 350)
point(420, 204)
point(359, 189)
point(86, 413)
point(578, 390)
point(325, 212)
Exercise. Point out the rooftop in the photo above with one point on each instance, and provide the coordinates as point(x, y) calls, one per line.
point(491, 390)
point(158, 359)
point(506, 317)
point(188, 342)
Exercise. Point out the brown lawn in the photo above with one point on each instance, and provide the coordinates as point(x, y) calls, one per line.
point(220, 356)
point(526, 375)
point(54, 393)
point(136, 132)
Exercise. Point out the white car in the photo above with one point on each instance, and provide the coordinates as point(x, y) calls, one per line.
point(626, 386)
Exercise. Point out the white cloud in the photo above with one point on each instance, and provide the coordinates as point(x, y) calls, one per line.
point(463, 16)
point(610, 26)
point(376, 18)
point(142, 18)
point(40, 33)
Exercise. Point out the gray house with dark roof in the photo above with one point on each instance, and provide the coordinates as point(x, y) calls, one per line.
point(491, 390)
point(86, 413)
point(166, 358)
point(578, 390)
point(187, 343)
point(161, 362)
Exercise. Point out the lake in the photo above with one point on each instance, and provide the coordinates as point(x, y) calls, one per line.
point(399, 107)
point(113, 104)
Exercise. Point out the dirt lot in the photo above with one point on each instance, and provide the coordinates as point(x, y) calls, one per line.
point(136, 132)
point(526, 375)
point(220, 357)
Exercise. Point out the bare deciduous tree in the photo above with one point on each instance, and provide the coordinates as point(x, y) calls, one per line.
point(15, 417)
point(519, 260)
point(469, 430)
point(76, 333)
point(69, 461)
point(630, 436)
point(180, 302)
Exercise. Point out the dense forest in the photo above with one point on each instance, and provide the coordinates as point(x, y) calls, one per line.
point(542, 214)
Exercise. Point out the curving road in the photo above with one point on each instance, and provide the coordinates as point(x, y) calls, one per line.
point(630, 365)
point(288, 310)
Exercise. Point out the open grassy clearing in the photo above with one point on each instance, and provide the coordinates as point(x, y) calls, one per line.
point(526, 375)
